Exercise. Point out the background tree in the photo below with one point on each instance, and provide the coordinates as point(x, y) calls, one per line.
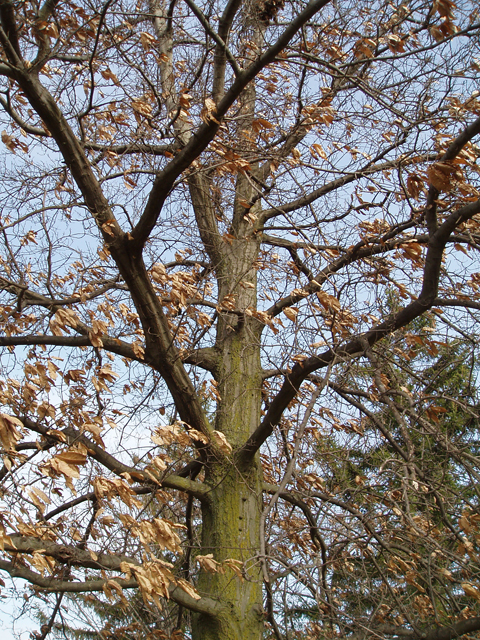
point(386, 517)
point(205, 211)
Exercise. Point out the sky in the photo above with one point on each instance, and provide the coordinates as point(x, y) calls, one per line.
point(11, 628)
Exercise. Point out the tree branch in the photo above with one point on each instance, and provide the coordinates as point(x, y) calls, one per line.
point(197, 489)
point(114, 345)
point(221, 44)
point(200, 140)
point(367, 170)
point(205, 216)
point(73, 154)
point(47, 9)
point(453, 150)
point(453, 302)
point(454, 630)
point(133, 147)
point(207, 606)
point(403, 317)
point(36, 131)
point(221, 51)
point(7, 19)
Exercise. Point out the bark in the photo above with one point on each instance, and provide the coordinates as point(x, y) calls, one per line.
point(231, 518)
point(230, 529)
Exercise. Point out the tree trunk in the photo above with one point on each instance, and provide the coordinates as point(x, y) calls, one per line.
point(231, 530)
point(231, 519)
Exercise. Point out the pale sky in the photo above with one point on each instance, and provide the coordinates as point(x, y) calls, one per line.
point(11, 629)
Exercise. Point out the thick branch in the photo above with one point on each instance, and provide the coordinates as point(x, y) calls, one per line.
point(453, 150)
point(65, 554)
point(114, 345)
point(221, 51)
point(425, 301)
point(7, 18)
point(205, 216)
point(456, 302)
point(47, 9)
point(454, 630)
point(207, 606)
point(206, 358)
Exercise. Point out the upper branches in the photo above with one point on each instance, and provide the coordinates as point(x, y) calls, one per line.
point(205, 133)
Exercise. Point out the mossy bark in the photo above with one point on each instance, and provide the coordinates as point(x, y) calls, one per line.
point(231, 518)
point(231, 530)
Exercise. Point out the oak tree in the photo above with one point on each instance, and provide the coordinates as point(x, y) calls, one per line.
point(206, 213)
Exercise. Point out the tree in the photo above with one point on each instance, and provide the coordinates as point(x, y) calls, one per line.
point(430, 408)
point(205, 210)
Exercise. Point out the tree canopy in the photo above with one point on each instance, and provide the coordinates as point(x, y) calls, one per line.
point(238, 317)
